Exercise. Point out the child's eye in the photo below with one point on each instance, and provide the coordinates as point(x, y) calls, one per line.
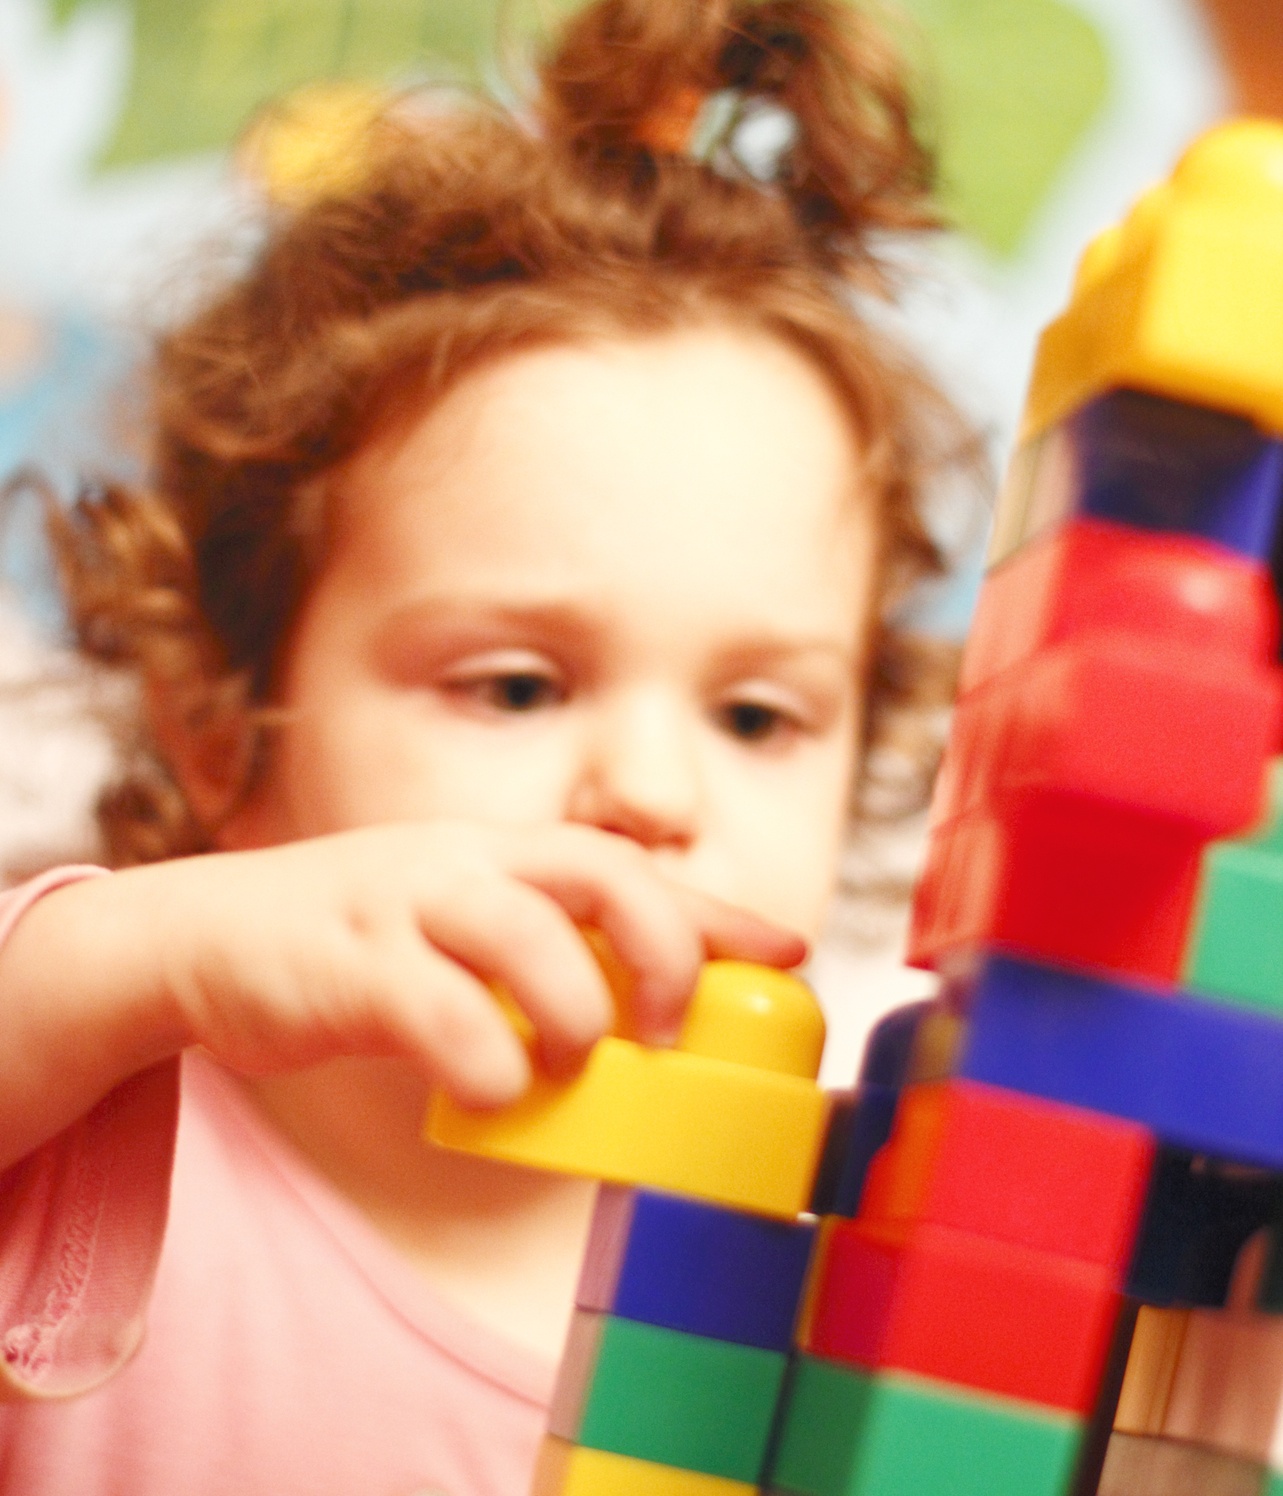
point(756, 721)
point(511, 681)
point(519, 691)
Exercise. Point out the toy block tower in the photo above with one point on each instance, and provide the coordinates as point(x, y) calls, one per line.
point(1045, 1279)
point(1049, 1253)
point(697, 1256)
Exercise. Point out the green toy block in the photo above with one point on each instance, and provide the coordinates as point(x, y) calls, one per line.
point(676, 1399)
point(846, 1433)
point(1270, 835)
point(1236, 953)
point(1275, 1486)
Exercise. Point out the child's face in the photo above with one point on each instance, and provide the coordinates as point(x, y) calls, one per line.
point(626, 584)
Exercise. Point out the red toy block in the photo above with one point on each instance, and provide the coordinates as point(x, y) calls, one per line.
point(1061, 886)
point(1091, 576)
point(963, 1309)
point(1035, 1174)
point(1127, 724)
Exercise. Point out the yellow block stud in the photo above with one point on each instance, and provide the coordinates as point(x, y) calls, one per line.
point(1185, 297)
point(567, 1470)
point(732, 1115)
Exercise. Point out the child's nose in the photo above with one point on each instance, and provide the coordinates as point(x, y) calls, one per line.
point(640, 774)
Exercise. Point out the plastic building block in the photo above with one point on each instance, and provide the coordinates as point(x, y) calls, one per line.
point(1198, 1217)
point(936, 1046)
point(1200, 1075)
point(1087, 577)
point(1056, 886)
point(1237, 952)
point(1077, 793)
point(1237, 948)
point(1014, 1169)
point(860, 1121)
point(1115, 723)
point(963, 1309)
point(566, 1469)
point(1185, 297)
point(731, 1115)
point(845, 1433)
point(1151, 464)
point(888, 1053)
point(659, 1395)
point(695, 1267)
point(858, 1126)
point(1145, 1465)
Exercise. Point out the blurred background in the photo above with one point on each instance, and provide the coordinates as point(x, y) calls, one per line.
point(135, 134)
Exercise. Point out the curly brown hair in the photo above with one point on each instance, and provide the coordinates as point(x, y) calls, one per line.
point(476, 232)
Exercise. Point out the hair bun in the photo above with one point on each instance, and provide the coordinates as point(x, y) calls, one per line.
point(635, 84)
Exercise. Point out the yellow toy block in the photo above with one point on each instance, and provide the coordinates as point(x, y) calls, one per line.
point(568, 1470)
point(1185, 297)
point(732, 1115)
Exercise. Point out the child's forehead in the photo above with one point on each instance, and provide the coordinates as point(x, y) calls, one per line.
point(706, 406)
point(708, 461)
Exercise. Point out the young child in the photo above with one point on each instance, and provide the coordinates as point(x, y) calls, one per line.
point(520, 536)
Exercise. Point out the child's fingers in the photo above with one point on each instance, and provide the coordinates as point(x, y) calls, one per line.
point(508, 933)
point(736, 934)
point(725, 932)
point(609, 883)
point(449, 1020)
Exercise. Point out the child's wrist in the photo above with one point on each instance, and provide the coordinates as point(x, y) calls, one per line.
point(83, 996)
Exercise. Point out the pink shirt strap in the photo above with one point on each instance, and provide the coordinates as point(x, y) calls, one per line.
point(81, 1222)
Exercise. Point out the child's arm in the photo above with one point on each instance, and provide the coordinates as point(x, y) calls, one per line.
point(375, 941)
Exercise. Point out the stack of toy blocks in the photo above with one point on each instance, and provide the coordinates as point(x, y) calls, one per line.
point(672, 1374)
point(1056, 1275)
point(679, 1347)
point(1049, 1253)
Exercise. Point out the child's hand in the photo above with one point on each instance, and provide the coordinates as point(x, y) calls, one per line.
point(385, 940)
point(376, 941)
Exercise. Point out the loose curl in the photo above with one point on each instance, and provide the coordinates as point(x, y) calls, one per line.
point(475, 234)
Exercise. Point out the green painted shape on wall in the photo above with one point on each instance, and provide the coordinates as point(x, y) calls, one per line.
point(202, 68)
point(1014, 84)
point(1018, 83)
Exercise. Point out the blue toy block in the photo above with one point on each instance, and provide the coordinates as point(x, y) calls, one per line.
point(1198, 1217)
point(1160, 464)
point(686, 1265)
point(1200, 1075)
point(860, 1121)
point(889, 1048)
point(859, 1125)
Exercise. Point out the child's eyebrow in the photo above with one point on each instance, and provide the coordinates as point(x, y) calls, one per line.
point(767, 651)
point(459, 617)
point(462, 615)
